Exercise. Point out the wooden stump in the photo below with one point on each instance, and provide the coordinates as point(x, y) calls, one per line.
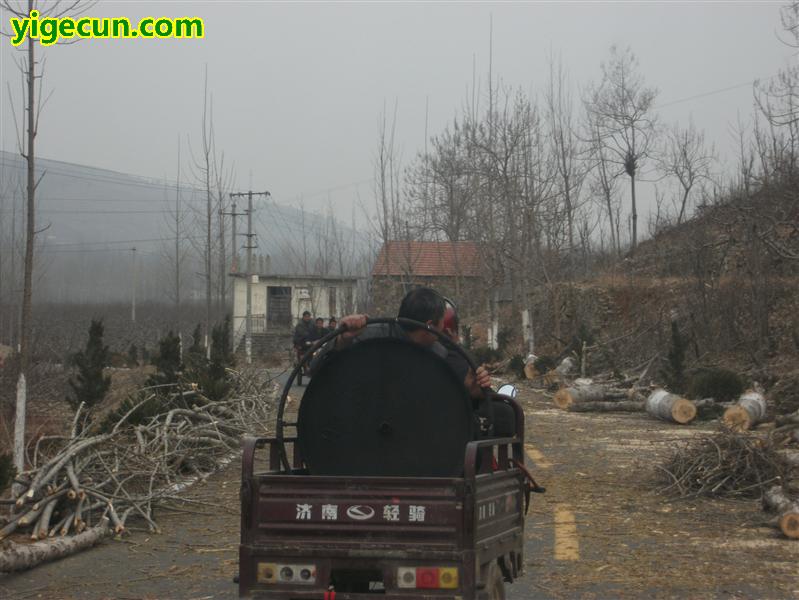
point(777, 501)
point(746, 413)
point(670, 407)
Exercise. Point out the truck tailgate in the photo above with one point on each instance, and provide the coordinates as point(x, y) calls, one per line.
point(363, 513)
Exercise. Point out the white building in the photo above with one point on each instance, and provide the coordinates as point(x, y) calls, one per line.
point(278, 301)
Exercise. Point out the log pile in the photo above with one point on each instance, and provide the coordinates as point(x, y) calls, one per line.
point(608, 394)
point(123, 471)
point(588, 396)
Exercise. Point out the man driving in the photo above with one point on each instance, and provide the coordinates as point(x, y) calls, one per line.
point(426, 306)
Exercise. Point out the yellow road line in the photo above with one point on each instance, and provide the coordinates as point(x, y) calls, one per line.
point(567, 545)
point(534, 454)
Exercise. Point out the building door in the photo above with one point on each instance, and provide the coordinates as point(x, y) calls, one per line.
point(278, 308)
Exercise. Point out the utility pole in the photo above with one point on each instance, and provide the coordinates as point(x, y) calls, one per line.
point(133, 292)
point(234, 247)
point(250, 276)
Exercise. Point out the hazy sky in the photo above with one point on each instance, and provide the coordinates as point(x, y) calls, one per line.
point(298, 88)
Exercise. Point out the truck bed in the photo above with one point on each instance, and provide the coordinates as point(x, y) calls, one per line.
point(378, 524)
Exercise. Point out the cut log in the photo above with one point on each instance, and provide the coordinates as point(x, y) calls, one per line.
point(746, 413)
point(775, 500)
point(619, 406)
point(566, 397)
point(670, 407)
point(530, 371)
point(19, 557)
point(566, 366)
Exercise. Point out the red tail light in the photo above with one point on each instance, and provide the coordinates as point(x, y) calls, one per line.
point(427, 578)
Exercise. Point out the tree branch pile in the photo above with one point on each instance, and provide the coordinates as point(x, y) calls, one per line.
point(725, 464)
point(123, 469)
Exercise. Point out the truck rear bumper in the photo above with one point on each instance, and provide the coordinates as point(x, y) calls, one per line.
point(331, 560)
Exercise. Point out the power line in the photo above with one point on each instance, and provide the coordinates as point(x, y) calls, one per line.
point(711, 93)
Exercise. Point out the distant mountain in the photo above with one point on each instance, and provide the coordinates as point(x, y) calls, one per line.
point(92, 218)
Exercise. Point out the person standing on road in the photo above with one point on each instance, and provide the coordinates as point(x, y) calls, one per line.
point(302, 332)
point(331, 325)
point(317, 333)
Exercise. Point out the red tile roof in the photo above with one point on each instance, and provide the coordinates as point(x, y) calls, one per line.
point(428, 259)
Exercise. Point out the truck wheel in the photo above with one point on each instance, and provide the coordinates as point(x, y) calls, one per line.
point(495, 583)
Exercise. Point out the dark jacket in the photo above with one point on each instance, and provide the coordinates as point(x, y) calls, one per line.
point(302, 332)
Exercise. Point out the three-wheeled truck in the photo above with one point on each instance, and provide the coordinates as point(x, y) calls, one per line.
point(389, 481)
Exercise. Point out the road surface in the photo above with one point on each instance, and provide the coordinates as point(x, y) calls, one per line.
point(600, 531)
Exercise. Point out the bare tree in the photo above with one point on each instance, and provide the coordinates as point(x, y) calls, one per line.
point(565, 143)
point(176, 253)
point(686, 158)
point(223, 179)
point(26, 139)
point(621, 108)
point(387, 184)
point(604, 176)
point(204, 165)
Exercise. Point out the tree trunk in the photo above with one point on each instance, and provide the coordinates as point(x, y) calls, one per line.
point(619, 406)
point(19, 424)
point(634, 213)
point(566, 397)
point(23, 557)
point(775, 500)
point(746, 413)
point(670, 407)
point(27, 289)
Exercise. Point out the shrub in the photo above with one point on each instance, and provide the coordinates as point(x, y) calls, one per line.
point(133, 356)
point(544, 364)
point(466, 336)
point(721, 384)
point(89, 385)
point(585, 336)
point(516, 365)
point(167, 361)
point(212, 376)
point(7, 470)
point(674, 372)
point(503, 338)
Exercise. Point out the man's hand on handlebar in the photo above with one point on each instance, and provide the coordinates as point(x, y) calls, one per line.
point(483, 378)
point(353, 326)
